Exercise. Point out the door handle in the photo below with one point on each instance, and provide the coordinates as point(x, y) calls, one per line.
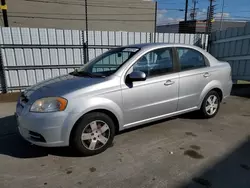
point(206, 74)
point(168, 83)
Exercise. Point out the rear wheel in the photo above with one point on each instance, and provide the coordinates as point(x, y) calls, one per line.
point(210, 105)
point(93, 134)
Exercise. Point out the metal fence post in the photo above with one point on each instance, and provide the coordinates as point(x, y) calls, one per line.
point(84, 49)
point(85, 52)
point(150, 38)
point(2, 74)
point(204, 41)
point(209, 43)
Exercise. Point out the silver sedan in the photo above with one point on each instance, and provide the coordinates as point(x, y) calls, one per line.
point(122, 88)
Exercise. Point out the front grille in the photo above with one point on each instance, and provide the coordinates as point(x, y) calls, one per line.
point(36, 137)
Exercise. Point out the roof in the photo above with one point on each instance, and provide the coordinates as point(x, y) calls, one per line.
point(150, 46)
point(153, 45)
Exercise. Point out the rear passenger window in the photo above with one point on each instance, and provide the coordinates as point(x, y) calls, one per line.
point(190, 59)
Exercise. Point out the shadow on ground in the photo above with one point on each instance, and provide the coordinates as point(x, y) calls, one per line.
point(241, 90)
point(12, 144)
point(231, 171)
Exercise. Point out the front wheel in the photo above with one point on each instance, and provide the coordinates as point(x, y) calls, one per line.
point(210, 104)
point(93, 134)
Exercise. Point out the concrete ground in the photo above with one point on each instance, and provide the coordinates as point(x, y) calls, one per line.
point(179, 152)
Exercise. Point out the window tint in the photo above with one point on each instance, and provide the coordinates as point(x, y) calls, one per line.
point(190, 59)
point(110, 62)
point(155, 63)
point(107, 63)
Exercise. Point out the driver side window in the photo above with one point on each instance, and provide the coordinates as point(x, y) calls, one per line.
point(155, 63)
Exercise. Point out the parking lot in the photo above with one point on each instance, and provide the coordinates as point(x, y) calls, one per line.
point(179, 152)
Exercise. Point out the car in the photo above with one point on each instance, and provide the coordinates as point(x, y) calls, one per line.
point(124, 87)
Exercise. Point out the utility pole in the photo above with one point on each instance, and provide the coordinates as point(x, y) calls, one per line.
point(85, 44)
point(222, 12)
point(210, 16)
point(4, 10)
point(155, 21)
point(186, 10)
point(193, 13)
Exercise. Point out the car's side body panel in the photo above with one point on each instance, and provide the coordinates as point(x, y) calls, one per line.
point(150, 98)
point(192, 83)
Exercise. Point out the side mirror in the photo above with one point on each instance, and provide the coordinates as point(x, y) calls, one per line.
point(136, 76)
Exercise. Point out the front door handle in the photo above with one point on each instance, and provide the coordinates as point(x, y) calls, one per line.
point(168, 83)
point(206, 74)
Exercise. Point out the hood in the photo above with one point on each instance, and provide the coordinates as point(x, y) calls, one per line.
point(59, 86)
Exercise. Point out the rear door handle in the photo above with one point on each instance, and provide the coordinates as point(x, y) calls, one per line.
point(206, 74)
point(168, 83)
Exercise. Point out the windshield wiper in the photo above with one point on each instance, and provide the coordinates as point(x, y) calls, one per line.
point(88, 74)
point(81, 73)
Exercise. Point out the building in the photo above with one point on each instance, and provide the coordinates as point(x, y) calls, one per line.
point(197, 26)
point(171, 28)
point(105, 15)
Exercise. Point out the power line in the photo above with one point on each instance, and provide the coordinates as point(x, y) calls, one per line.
point(94, 2)
point(116, 1)
point(79, 14)
point(240, 11)
point(169, 3)
point(75, 14)
point(237, 17)
point(178, 9)
point(55, 18)
point(90, 5)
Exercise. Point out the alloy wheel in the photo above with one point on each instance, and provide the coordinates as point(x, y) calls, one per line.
point(212, 104)
point(95, 135)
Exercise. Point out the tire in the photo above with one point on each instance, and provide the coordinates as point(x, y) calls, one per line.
point(99, 131)
point(207, 110)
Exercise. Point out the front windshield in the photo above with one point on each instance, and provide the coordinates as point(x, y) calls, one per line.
point(107, 63)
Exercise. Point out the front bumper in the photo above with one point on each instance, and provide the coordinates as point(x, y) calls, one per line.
point(45, 129)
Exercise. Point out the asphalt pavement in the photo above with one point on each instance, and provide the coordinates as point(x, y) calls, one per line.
point(179, 152)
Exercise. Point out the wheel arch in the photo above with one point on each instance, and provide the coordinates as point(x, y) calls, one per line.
point(219, 91)
point(85, 105)
point(108, 112)
point(213, 85)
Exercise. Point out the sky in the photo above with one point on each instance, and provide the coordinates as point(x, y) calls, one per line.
point(169, 10)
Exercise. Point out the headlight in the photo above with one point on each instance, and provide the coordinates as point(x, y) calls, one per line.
point(50, 104)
